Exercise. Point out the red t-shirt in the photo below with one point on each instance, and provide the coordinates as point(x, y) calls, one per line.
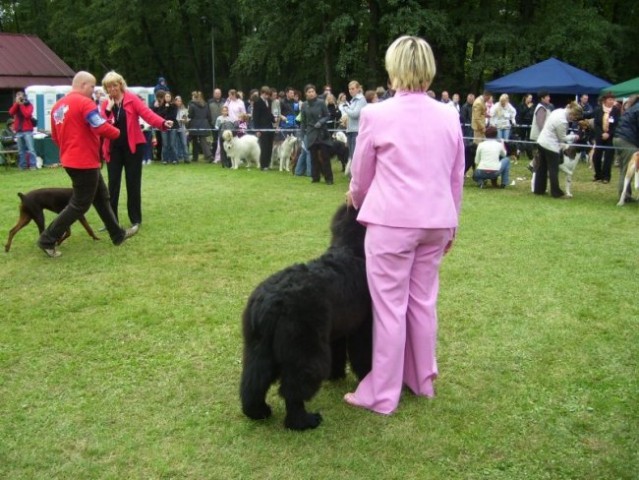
point(76, 127)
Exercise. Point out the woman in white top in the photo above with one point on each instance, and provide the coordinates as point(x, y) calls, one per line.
point(552, 139)
point(352, 110)
point(491, 160)
point(502, 117)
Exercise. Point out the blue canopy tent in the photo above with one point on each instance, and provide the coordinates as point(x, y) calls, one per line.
point(553, 76)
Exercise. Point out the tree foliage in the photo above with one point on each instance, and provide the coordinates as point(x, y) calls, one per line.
point(293, 42)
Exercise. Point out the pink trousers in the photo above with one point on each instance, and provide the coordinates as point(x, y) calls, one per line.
point(403, 276)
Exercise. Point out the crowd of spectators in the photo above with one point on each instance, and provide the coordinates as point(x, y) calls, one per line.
point(273, 114)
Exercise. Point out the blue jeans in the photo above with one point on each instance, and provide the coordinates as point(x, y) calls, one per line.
point(181, 146)
point(503, 133)
point(26, 150)
point(169, 138)
point(147, 149)
point(351, 138)
point(504, 171)
point(303, 166)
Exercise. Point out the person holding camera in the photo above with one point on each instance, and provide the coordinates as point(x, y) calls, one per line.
point(23, 124)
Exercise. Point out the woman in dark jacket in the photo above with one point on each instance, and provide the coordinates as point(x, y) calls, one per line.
point(200, 126)
point(333, 112)
point(168, 111)
point(314, 117)
point(525, 114)
point(606, 117)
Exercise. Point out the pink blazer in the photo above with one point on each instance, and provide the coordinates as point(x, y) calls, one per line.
point(134, 108)
point(408, 164)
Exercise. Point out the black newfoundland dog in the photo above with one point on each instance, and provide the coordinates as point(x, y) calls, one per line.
point(302, 324)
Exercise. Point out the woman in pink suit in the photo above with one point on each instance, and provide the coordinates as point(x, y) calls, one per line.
point(407, 179)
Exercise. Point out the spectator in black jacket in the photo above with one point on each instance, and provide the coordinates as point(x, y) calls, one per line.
point(606, 117)
point(466, 117)
point(263, 120)
point(525, 114)
point(626, 139)
point(588, 110)
point(314, 132)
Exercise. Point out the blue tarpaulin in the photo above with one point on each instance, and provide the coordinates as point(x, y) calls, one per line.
point(552, 76)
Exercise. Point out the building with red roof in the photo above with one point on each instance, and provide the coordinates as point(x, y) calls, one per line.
point(26, 60)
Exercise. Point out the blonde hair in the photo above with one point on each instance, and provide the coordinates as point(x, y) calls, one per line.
point(503, 98)
point(410, 64)
point(113, 78)
point(575, 110)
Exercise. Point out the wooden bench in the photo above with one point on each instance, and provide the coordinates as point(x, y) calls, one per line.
point(9, 156)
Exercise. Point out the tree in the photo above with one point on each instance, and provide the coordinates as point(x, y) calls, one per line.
point(294, 42)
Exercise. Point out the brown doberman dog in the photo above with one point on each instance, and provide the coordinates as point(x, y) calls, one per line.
point(32, 207)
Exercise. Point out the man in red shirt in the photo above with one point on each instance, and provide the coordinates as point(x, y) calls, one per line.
point(76, 127)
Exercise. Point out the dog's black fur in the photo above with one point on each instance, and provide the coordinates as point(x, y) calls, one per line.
point(470, 150)
point(32, 206)
point(302, 323)
point(338, 149)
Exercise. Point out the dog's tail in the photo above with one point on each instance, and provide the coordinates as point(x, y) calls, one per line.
point(28, 205)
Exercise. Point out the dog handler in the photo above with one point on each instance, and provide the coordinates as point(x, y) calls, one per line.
point(551, 140)
point(407, 179)
point(76, 127)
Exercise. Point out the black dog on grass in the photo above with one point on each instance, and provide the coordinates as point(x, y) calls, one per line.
point(32, 207)
point(301, 324)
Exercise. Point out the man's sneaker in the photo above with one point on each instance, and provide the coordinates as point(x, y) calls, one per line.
point(128, 233)
point(50, 251)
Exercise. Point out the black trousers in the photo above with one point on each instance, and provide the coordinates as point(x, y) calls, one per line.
point(131, 163)
point(201, 144)
point(321, 163)
point(602, 159)
point(214, 143)
point(88, 189)
point(266, 148)
point(548, 169)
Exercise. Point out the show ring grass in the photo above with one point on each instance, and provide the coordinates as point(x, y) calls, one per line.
point(124, 362)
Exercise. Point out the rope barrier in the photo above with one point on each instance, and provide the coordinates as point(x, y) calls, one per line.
point(516, 141)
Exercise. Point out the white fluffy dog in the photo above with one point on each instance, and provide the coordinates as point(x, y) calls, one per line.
point(241, 148)
point(285, 151)
point(340, 137)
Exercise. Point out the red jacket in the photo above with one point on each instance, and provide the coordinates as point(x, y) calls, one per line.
point(76, 127)
point(23, 117)
point(134, 108)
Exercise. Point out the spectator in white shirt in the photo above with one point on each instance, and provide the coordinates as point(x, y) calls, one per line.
point(502, 116)
point(491, 160)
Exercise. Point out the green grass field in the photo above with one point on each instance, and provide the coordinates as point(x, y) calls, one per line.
point(124, 362)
